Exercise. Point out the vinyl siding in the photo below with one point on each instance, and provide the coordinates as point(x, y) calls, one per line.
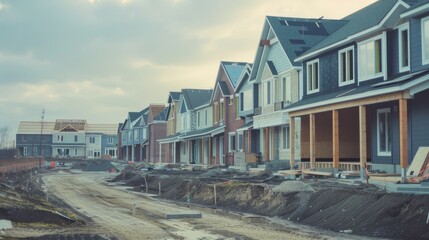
point(279, 58)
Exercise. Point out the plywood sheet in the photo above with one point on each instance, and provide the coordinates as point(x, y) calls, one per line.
point(418, 161)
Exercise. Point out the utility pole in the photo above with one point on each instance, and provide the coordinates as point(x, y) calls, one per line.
point(40, 142)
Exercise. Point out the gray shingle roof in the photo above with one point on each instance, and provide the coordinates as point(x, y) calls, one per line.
point(233, 70)
point(272, 67)
point(359, 21)
point(196, 97)
point(175, 96)
point(162, 116)
point(224, 88)
point(297, 35)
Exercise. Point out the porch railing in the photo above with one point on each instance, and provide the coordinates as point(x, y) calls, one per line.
point(345, 166)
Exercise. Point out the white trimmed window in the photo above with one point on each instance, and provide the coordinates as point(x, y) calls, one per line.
point(231, 142)
point(91, 139)
point(384, 136)
point(240, 141)
point(266, 88)
point(286, 137)
point(346, 66)
point(372, 58)
point(425, 40)
point(75, 151)
point(25, 151)
point(404, 47)
point(110, 140)
point(313, 76)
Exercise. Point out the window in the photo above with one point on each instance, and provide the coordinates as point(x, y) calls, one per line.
point(313, 76)
point(91, 139)
point(110, 140)
point(110, 152)
point(205, 116)
point(221, 111)
point(404, 48)
point(25, 151)
point(214, 147)
point(75, 151)
point(90, 153)
point(231, 142)
point(34, 150)
point(240, 141)
point(241, 101)
point(286, 137)
point(384, 137)
point(231, 100)
point(97, 154)
point(371, 58)
point(198, 119)
point(267, 92)
point(60, 138)
point(425, 40)
point(136, 134)
point(24, 138)
point(346, 66)
point(63, 151)
point(75, 138)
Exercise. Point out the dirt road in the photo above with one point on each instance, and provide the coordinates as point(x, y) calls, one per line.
point(111, 210)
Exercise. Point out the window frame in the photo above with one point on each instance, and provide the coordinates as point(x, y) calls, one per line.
point(383, 58)
point(231, 142)
point(388, 133)
point(307, 65)
point(286, 137)
point(347, 63)
point(401, 29)
point(239, 146)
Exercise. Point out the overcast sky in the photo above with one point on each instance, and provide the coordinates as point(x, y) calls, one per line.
point(99, 59)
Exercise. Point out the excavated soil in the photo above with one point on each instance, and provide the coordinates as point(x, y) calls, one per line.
point(358, 208)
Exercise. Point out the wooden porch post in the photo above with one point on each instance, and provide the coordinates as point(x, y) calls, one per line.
point(403, 137)
point(312, 141)
point(160, 151)
point(202, 151)
point(292, 141)
point(267, 144)
point(335, 141)
point(174, 152)
point(209, 160)
point(249, 139)
point(362, 140)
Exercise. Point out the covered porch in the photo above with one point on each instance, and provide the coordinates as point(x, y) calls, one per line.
point(347, 135)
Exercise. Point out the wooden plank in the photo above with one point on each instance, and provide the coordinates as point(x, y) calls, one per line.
point(292, 142)
point(182, 215)
point(335, 140)
point(403, 133)
point(310, 172)
point(362, 136)
point(289, 172)
point(312, 141)
point(353, 103)
point(418, 161)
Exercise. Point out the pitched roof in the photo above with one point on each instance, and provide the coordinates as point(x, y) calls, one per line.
point(134, 116)
point(363, 19)
point(102, 128)
point(297, 35)
point(272, 67)
point(233, 70)
point(75, 124)
point(162, 116)
point(33, 127)
point(224, 88)
point(196, 97)
point(175, 96)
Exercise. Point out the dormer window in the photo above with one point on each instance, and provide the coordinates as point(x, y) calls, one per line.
point(372, 58)
point(313, 76)
point(404, 48)
point(346, 66)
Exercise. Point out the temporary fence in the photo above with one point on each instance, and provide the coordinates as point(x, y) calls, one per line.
point(20, 164)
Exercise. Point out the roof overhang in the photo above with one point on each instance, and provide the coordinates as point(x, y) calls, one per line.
point(416, 11)
point(210, 132)
point(406, 90)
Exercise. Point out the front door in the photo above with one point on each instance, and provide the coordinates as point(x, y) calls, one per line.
point(221, 160)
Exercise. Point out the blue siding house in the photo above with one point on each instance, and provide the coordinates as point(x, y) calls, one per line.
point(364, 90)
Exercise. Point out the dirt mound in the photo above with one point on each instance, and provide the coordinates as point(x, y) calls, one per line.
point(358, 209)
point(72, 237)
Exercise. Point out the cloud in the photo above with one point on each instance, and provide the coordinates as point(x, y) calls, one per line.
point(99, 59)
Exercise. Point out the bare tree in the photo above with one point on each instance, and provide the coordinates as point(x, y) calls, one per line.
point(4, 137)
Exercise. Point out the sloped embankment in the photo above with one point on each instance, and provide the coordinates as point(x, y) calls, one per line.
point(364, 212)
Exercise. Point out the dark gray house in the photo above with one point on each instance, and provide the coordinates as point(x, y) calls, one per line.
point(365, 90)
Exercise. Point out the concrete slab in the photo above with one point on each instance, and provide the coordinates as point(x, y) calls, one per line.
point(5, 224)
point(182, 215)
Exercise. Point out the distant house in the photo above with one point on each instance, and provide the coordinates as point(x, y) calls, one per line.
point(157, 129)
point(66, 138)
point(34, 139)
point(192, 102)
point(225, 113)
point(365, 89)
point(171, 143)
